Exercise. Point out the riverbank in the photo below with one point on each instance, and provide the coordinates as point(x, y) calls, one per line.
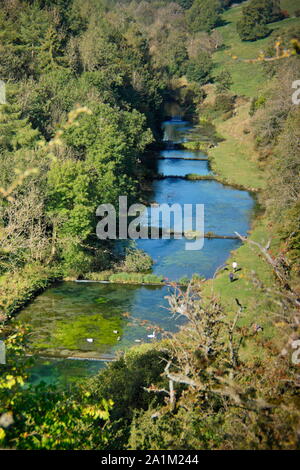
point(20, 287)
point(235, 161)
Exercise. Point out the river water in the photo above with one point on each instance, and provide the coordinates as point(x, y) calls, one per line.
point(113, 317)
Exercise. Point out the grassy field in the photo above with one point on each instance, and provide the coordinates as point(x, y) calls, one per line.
point(290, 5)
point(256, 305)
point(235, 159)
point(247, 78)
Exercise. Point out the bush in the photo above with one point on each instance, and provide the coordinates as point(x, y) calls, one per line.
point(135, 278)
point(137, 261)
point(153, 279)
point(256, 103)
point(184, 281)
point(224, 103)
point(204, 15)
point(102, 260)
point(100, 276)
point(199, 69)
point(123, 381)
point(76, 261)
point(224, 81)
point(256, 15)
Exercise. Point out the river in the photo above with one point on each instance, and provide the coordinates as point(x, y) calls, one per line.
point(77, 327)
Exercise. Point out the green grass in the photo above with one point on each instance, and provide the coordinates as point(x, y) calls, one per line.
point(125, 278)
point(234, 160)
point(290, 5)
point(18, 288)
point(196, 177)
point(247, 77)
point(258, 308)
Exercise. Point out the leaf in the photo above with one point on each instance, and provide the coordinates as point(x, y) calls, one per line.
point(2, 434)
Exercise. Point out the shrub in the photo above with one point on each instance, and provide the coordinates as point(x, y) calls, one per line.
point(184, 281)
point(135, 278)
point(256, 103)
point(204, 15)
point(199, 69)
point(224, 103)
point(137, 261)
point(224, 81)
point(100, 276)
point(256, 15)
point(76, 261)
point(153, 279)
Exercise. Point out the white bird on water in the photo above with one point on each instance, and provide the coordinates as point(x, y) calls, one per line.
point(153, 335)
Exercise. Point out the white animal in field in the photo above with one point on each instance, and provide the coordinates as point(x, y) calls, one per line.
point(116, 332)
point(137, 340)
point(90, 340)
point(234, 265)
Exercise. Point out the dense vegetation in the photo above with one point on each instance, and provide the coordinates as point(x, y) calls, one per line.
point(86, 85)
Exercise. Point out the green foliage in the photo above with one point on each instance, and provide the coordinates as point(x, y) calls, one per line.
point(15, 132)
point(199, 69)
point(203, 15)
point(26, 283)
point(283, 187)
point(186, 4)
point(256, 15)
point(224, 103)
point(137, 261)
point(44, 417)
point(123, 381)
point(110, 140)
point(69, 198)
point(75, 260)
point(135, 278)
point(99, 276)
point(224, 81)
point(256, 103)
point(184, 281)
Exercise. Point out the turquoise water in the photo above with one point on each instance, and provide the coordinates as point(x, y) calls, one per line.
point(66, 315)
point(226, 210)
point(176, 130)
point(114, 317)
point(79, 326)
point(180, 167)
point(184, 154)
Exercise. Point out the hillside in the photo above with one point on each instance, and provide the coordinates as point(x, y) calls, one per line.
point(247, 78)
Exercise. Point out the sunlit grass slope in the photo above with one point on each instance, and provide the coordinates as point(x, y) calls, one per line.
point(247, 77)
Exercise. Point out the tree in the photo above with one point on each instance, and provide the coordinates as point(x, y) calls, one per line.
point(256, 15)
point(186, 4)
point(204, 15)
point(199, 68)
point(15, 132)
point(224, 81)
